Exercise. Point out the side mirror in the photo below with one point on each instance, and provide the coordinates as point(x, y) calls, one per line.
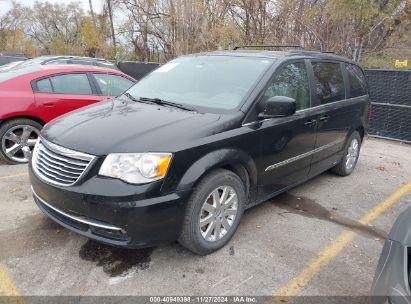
point(279, 106)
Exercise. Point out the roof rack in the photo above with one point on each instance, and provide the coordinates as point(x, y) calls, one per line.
point(270, 47)
point(12, 54)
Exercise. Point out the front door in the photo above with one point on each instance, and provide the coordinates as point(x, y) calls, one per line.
point(286, 144)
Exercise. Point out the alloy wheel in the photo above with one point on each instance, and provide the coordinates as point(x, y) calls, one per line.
point(218, 213)
point(352, 154)
point(18, 142)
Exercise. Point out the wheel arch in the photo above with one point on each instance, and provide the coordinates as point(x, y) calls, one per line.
point(234, 160)
point(241, 171)
point(31, 117)
point(361, 130)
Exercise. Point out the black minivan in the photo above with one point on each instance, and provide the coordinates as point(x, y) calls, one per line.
point(185, 151)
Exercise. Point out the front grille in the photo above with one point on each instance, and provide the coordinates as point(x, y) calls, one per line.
point(58, 165)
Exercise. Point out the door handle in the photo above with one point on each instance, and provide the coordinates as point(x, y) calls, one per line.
point(310, 123)
point(49, 104)
point(325, 118)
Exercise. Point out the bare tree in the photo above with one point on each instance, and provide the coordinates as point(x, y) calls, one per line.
point(93, 16)
point(110, 14)
point(152, 29)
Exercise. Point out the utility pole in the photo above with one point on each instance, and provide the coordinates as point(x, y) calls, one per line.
point(93, 17)
point(113, 35)
point(358, 48)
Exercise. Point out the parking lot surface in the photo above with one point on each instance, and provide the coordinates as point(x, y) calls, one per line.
point(273, 245)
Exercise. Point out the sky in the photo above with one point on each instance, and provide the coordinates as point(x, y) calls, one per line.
point(5, 5)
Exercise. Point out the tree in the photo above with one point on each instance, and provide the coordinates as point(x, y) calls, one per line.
point(93, 16)
point(12, 31)
point(92, 39)
point(110, 14)
point(150, 30)
point(56, 27)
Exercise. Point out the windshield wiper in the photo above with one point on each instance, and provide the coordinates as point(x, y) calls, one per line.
point(131, 97)
point(158, 101)
point(163, 102)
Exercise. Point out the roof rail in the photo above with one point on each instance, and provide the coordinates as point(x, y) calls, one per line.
point(12, 54)
point(269, 47)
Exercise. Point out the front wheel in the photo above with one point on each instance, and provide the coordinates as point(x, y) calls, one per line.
point(213, 212)
point(350, 158)
point(17, 139)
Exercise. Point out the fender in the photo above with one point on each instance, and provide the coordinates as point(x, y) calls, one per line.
point(23, 114)
point(218, 159)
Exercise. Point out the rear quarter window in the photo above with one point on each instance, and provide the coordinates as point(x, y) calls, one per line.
point(356, 78)
point(329, 82)
point(44, 85)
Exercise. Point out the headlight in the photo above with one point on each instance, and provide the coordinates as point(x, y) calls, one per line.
point(136, 168)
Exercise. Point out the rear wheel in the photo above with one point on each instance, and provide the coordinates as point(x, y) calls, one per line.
point(350, 158)
point(17, 140)
point(213, 212)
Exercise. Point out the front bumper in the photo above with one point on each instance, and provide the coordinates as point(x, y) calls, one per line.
point(113, 212)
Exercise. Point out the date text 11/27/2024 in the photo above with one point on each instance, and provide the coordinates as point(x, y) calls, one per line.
point(203, 299)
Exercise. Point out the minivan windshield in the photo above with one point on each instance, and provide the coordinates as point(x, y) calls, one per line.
point(216, 82)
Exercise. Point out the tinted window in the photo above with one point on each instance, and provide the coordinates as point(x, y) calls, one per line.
point(329, 82)
point(292, 81)
point(112, 85)
point(44, 85)
point(71, 84)
point(356, 78)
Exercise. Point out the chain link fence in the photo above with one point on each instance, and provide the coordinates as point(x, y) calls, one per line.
point(390, 92)
point(137, 70)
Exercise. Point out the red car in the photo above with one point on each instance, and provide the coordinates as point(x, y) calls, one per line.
point(32, 96)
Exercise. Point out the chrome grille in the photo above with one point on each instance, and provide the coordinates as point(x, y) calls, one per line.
point(58, 165)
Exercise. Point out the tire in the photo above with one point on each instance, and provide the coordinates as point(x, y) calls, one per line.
point(11, 133)
point(346, 167)
point(194, 236)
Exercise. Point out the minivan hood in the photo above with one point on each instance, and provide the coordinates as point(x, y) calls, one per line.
point(119, 126)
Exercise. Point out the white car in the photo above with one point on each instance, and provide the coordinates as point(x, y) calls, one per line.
point(10, 65)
